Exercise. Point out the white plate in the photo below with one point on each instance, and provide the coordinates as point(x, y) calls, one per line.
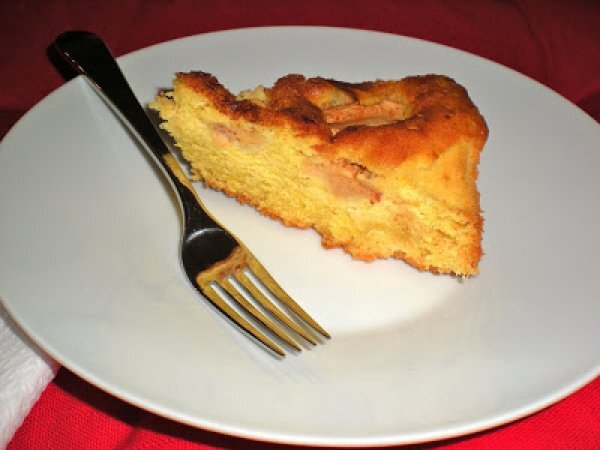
point(89, 267)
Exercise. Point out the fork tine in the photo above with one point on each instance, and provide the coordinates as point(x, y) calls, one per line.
point(239, 320)
point(255, 312)
point(267, 280)
point(245, 281)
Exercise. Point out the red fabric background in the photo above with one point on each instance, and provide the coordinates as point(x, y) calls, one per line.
point(554, 42)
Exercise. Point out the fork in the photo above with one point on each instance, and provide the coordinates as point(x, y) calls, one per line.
point(217, 264)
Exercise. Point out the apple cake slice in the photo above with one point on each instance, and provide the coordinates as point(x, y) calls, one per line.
point(382, 169)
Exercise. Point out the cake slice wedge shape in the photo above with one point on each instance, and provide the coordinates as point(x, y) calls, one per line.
point(381, 169)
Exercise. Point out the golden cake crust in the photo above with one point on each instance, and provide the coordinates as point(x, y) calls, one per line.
point(436, 113)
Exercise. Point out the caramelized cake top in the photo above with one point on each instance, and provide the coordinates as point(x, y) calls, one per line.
point(382, 122)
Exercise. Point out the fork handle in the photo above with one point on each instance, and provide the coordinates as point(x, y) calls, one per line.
point(88, 55)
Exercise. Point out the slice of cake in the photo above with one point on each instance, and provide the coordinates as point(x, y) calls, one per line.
point(381, 169)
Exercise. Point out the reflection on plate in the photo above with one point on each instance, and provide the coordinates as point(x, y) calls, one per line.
point(89, 268)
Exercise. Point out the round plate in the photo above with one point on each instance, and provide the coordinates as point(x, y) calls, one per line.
point(89, 242)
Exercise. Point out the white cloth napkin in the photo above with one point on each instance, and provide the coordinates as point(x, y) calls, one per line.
point(25, 371)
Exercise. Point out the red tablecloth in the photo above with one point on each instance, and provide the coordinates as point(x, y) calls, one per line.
point(554, 42)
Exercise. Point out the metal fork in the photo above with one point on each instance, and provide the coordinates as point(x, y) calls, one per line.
point(217, 264)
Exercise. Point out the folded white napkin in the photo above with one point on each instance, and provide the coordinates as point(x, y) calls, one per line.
point(25, 371)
